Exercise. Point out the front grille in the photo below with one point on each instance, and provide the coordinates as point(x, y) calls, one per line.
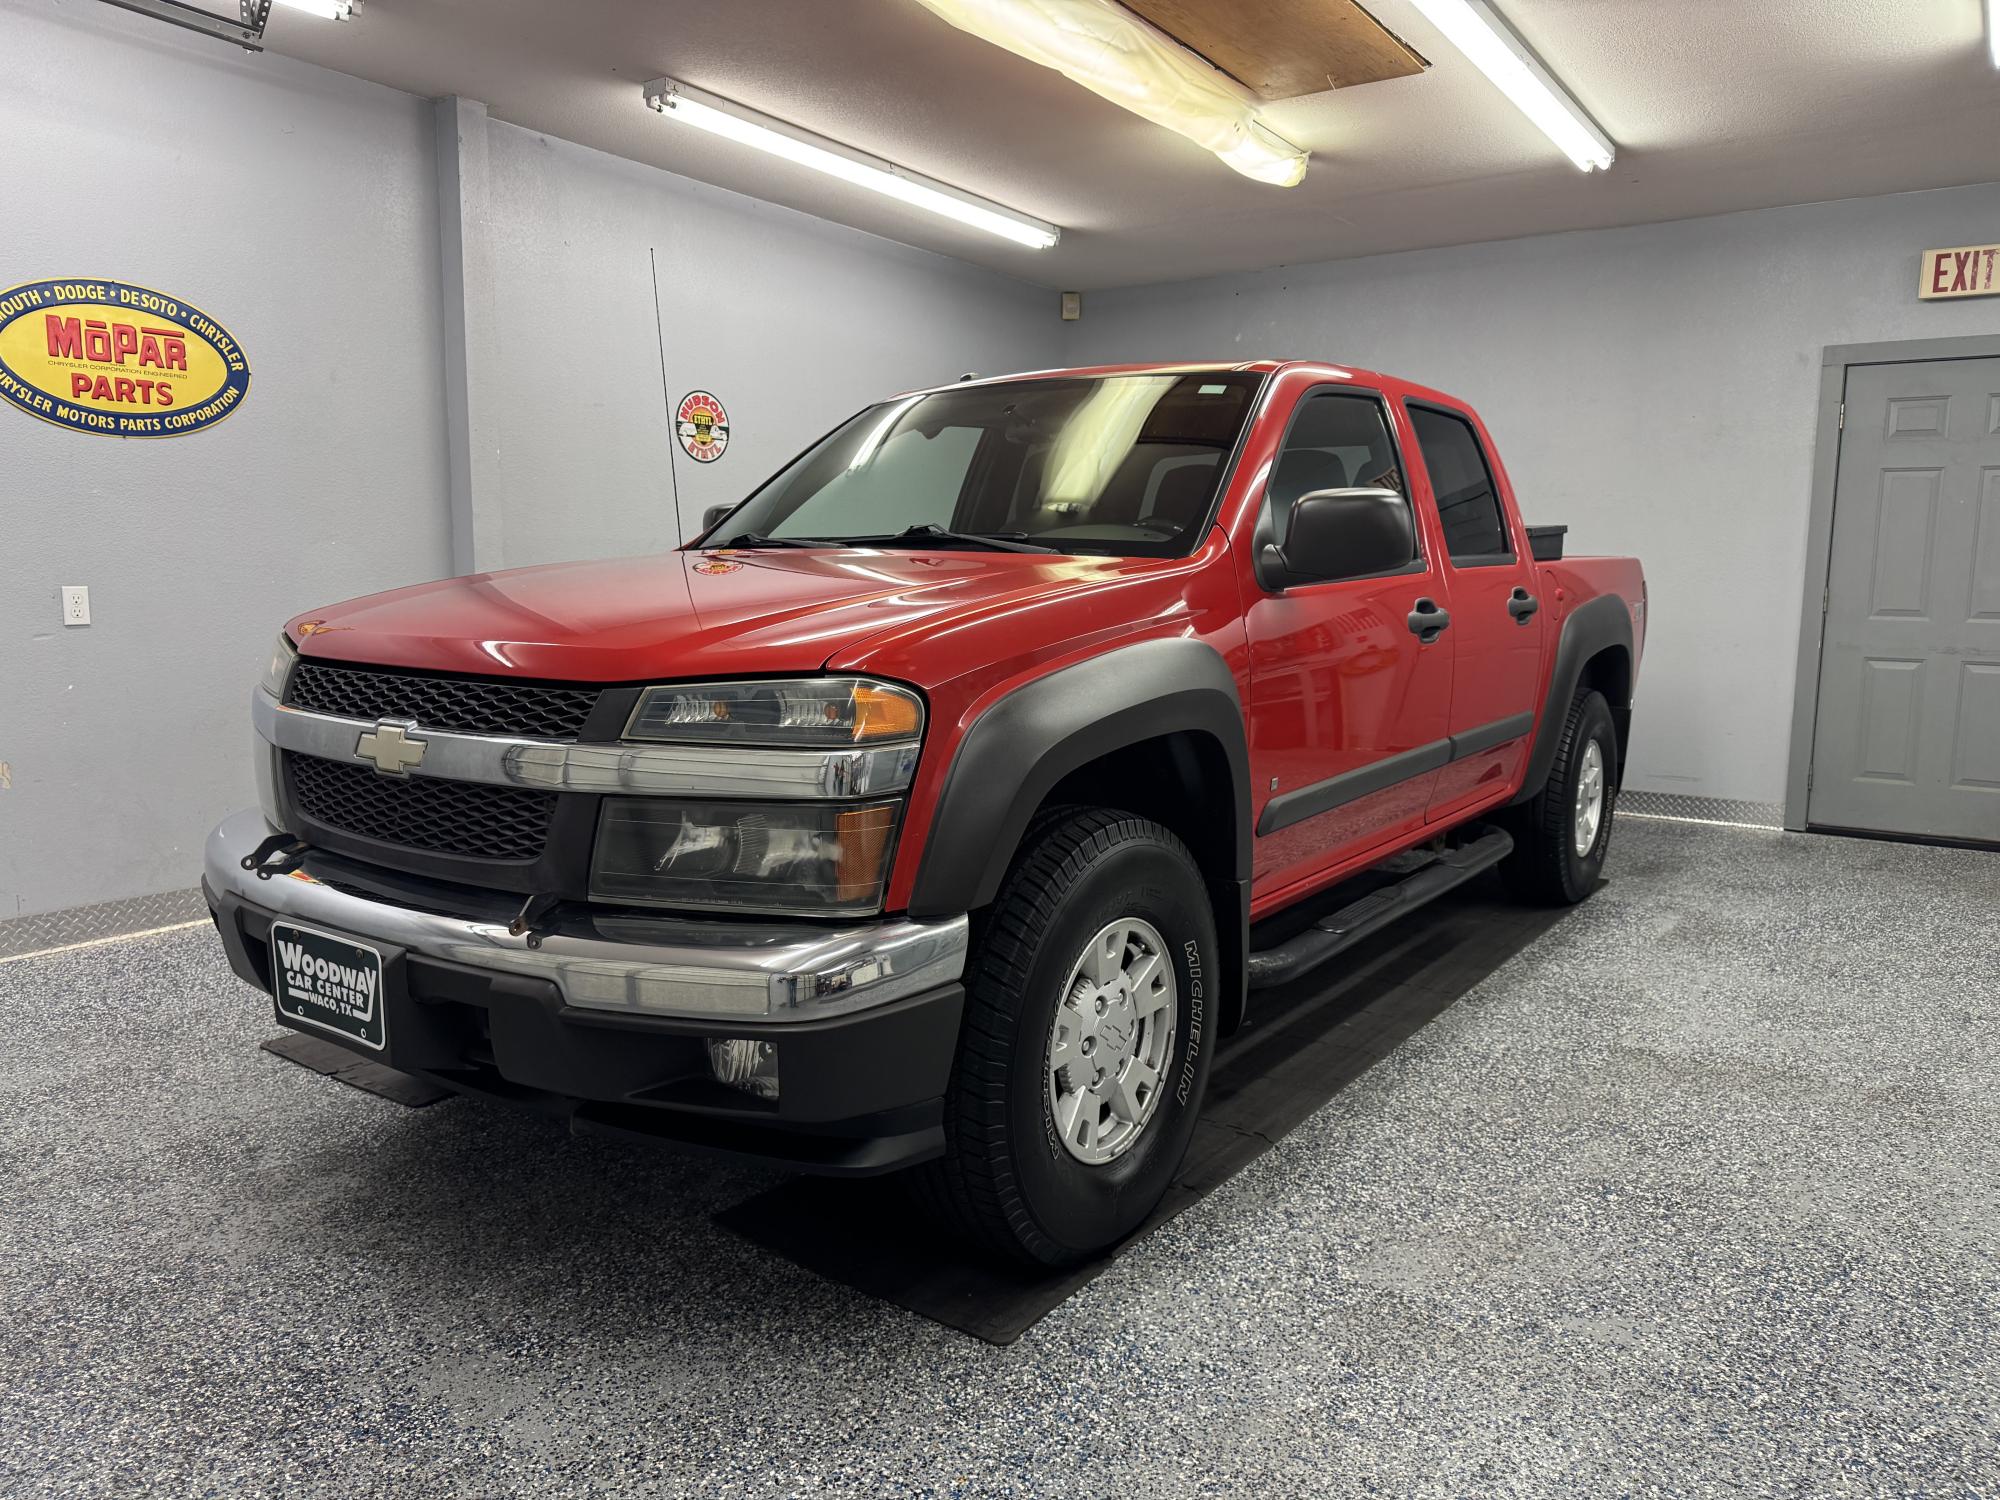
point(460, 704)
point(465, 818)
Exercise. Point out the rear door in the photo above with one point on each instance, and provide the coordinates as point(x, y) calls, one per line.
point(1496, 614)
point(1348, 702)
point(1908, 733)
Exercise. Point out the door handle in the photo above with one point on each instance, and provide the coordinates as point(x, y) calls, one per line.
point(1427, 621)
point(1523, 606)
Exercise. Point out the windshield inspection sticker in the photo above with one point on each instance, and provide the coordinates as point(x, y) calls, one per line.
point(703, 427)
point(116, 359)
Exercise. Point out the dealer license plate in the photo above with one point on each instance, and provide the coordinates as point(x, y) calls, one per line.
point(329, 982)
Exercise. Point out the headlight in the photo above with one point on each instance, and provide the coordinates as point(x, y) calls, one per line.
point(811, 859)
point(805, 711)
point(278, 670)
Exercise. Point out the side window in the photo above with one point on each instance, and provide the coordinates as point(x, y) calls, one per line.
point(1468, 501)
point(1339, 440)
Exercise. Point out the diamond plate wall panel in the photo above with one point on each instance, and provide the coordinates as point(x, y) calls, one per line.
point(1701, 809)
point(83, 924)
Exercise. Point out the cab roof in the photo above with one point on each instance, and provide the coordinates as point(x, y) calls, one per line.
point(1332, 372)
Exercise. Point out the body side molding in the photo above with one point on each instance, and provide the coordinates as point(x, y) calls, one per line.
point(1350, 786)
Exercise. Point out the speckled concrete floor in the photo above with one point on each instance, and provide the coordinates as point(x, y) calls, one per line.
point(1697, 1196)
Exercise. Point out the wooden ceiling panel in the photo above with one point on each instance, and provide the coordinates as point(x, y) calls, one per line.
point(1284, 48)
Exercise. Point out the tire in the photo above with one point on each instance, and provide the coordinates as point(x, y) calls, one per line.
point(1011, 1180)
point(1547, 868)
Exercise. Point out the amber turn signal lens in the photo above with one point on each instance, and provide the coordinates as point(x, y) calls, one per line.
point(863, 839)
point(883, 714)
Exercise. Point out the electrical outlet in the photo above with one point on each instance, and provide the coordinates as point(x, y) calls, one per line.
point(76, 604)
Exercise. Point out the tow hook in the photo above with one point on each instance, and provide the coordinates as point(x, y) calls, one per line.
point(532, 911)
point(280, 854)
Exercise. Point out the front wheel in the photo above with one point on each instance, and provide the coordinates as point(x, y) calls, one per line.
point(1085, 1047)
point(1561, 835)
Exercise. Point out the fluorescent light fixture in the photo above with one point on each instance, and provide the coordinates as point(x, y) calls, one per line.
point(326, 10)
point(1477, 30)
point(1993, 30)
point(732, 121)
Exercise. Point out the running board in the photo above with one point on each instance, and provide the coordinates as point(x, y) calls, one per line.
point(1342, 929)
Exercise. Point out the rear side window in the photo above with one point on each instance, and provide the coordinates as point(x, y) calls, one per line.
point(1467, 500)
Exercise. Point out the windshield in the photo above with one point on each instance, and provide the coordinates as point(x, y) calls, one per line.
point(1119, 464)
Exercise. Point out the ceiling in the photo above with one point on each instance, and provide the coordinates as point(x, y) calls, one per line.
point(1715, 105)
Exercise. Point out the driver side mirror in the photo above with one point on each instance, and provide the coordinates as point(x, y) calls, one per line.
point(1335, 534)
point(712, 515)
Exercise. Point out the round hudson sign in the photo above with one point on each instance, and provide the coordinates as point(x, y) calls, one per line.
point(121, 360)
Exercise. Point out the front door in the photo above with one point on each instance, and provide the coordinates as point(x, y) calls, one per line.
point(1908, 735)
point(1348, 700)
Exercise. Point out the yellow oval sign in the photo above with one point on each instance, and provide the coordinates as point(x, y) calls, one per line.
point(121, 360)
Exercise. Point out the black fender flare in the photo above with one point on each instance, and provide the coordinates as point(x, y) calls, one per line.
point(1590, 628)
point(1020, 747)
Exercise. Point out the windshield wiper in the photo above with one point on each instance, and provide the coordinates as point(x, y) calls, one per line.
point(999, 541)
point(758, 539)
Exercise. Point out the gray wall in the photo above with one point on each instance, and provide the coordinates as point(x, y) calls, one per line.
point(295, 206)
point(1655, 388)
point(299, 207)
point(794, 323)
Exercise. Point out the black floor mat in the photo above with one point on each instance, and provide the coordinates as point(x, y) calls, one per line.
point(370, 1077)
point(1305, 1042)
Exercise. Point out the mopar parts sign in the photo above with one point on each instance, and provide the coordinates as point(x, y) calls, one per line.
point(328, 982)
point(115, 359)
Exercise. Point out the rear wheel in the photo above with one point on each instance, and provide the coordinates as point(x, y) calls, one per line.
point(1561, 835)
point(1084, 1050)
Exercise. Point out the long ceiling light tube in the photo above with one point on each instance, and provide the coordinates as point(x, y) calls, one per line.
point(1993, 30)
point(1491, 45)
point(732, 121)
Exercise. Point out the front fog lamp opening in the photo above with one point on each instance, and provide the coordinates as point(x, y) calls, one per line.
point(811, 711)
point(745, 1063)
point(804, 859)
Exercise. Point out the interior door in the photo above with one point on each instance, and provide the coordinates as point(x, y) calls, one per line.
point(1908, 733)
point(1496, 613)
point(1348, 701)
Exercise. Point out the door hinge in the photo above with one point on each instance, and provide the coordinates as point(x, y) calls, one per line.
point(1843, 418)
point(1825, 598)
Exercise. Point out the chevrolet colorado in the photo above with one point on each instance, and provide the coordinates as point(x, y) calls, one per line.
point(930, 809)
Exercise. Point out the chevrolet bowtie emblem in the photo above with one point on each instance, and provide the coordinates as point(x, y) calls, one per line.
point(390, 747)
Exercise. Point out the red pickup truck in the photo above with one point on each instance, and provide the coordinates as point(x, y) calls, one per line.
point(928, 810)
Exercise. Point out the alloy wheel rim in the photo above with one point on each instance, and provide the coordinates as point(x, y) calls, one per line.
point(1589, 799)
point(1110, 1041)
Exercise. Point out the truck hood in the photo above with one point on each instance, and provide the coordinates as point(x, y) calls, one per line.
point(682, 614)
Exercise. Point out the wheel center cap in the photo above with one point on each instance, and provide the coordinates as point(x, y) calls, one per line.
point(1114, 1030)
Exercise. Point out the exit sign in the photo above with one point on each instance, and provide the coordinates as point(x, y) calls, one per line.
point(1968, 271)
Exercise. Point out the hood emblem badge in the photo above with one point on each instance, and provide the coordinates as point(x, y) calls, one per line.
point(390, 748)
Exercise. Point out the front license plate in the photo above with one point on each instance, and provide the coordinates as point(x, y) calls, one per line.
point(329, 982)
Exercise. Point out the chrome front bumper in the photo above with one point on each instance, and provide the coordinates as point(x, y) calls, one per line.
point(634, 965)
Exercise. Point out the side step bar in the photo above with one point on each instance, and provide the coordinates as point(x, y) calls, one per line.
point(1342, 929)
